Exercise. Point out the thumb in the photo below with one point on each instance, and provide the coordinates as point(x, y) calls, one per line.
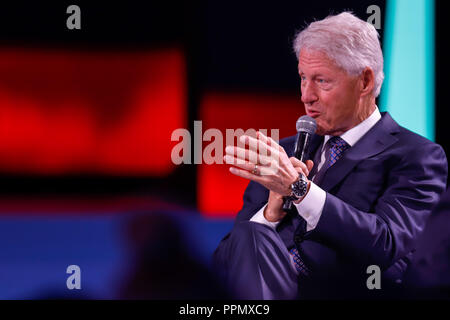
point(309, 165)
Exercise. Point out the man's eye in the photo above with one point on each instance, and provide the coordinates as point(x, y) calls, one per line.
point(321, 80)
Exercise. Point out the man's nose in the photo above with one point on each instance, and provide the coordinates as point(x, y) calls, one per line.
point(309, 95)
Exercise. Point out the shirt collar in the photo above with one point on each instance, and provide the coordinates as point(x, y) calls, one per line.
point(354, 134)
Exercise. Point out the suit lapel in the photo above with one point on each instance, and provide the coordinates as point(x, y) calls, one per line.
point(316, 141)
point(376, 140)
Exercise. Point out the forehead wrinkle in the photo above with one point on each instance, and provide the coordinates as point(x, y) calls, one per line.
point(317, 70)
point(320, 63)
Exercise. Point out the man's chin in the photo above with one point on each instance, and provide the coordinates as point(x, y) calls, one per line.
point(320, 131)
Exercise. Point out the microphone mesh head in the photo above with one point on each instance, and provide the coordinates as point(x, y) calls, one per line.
point(306, 124)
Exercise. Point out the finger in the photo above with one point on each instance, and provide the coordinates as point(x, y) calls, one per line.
point(259, 146)
point(246, 165)
point(264, 181)
point(249, 166)
point(246, 175)
point(269, 141)
point(309, 165)
point(244, 155)
point(289, 167)
point(281, 158)
point(298, 164)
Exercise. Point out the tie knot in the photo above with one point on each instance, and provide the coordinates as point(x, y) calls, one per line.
point(337, 148)
point(338, 143)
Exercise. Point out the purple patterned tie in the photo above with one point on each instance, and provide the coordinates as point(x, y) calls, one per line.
point(298, 262)
point(337, 148)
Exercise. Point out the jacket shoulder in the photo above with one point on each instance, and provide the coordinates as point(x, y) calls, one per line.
point(407, 139)
point(411, 138)
point(288, 144)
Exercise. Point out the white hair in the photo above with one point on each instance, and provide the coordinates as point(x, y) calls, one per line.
point(350, 42)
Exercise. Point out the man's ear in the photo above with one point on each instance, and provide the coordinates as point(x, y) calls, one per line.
point(367, 81)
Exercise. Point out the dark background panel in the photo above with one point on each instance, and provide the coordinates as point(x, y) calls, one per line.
point(247, 45)
point(119, 24)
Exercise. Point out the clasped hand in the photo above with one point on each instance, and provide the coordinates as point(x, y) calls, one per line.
point(267, 163)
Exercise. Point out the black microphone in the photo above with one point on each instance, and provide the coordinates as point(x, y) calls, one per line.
point(306, 127)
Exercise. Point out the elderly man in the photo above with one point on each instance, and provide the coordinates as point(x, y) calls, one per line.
point(360, 201)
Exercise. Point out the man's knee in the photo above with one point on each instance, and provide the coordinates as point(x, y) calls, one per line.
point(250, 229)
point(246, 236)
point(255, 237)
point(256, 263)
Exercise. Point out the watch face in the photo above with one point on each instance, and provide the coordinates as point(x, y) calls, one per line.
point(299, 188)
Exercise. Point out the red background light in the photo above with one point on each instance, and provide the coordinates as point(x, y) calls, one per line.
point(69, 112)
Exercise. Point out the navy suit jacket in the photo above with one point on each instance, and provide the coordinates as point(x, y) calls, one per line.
point(379, 195)
point(428, 276)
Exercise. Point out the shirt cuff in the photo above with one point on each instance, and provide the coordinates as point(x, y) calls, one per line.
point(311, 207)
point(259, 218)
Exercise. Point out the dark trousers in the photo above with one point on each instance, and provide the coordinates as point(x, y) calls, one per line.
point(255, 264)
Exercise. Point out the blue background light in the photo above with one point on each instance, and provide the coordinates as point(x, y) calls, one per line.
point(408, 90)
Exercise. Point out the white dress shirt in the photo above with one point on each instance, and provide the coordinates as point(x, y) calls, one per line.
point(311, 207)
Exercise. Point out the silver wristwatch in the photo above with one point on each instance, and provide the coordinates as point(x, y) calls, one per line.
point(299, 187)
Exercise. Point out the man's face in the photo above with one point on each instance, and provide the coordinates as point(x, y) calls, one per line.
point(330, 95)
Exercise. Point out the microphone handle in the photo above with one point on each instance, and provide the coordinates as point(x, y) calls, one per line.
point(287, 204)
point(301, 147)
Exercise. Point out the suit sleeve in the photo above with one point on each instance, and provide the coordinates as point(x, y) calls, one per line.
point(382, 237)
point(255, 197)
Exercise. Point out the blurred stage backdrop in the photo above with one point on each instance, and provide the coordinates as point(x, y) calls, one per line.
point(86, 118)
